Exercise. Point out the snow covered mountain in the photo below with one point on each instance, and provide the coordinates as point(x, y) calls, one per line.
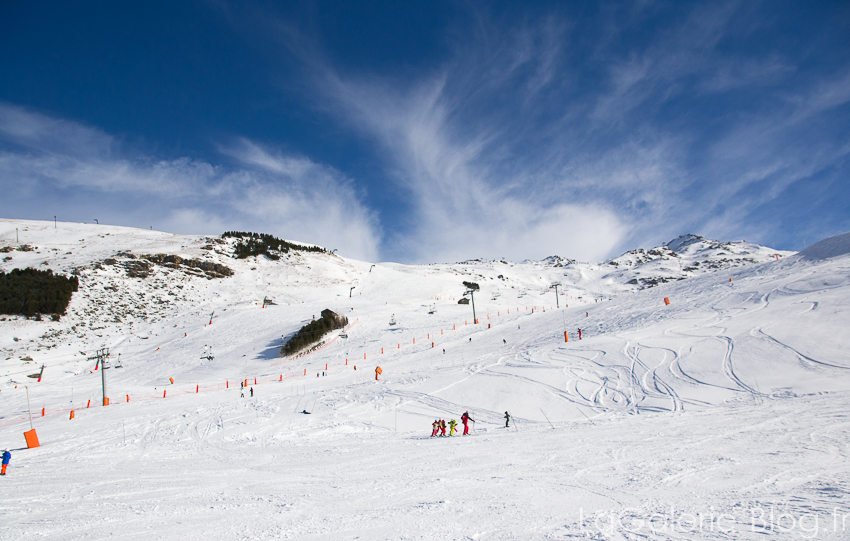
point(131, 277)
point(683, 257)
point(693, 420)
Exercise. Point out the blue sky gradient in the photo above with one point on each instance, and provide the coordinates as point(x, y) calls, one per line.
point(432, 132)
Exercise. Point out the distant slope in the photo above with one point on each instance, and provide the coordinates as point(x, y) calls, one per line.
point(831, 247)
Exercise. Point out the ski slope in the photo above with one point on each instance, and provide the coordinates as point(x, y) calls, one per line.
point(719, 416)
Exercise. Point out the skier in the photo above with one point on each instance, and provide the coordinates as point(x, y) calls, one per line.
point(444, 351)
point(435, 426)
point(252, 392)
point(465, 420)
point(579, 334)
point(470, 339)
point(442, 427)
point(7, 456)
point(504, 341)
point(452, 427)
point(507, 419)
point(586, 314)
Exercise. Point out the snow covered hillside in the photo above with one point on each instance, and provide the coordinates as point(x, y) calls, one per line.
point(719, 416)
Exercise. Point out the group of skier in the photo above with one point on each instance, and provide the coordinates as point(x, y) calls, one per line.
point(439, 425)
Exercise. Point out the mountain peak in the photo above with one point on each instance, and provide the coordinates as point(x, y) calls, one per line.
point(684, 240)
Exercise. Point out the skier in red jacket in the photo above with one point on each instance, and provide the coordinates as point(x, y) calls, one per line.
point(442, 427)
point(465, 420)
point(435, 427)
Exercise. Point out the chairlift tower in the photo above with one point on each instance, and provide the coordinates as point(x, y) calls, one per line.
point(555, 285)
point(102, 358)
point(471, 293)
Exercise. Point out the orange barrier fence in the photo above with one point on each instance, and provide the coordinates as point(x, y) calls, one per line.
point(74, 409)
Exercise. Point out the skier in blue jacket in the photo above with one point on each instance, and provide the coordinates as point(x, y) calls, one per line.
point(7, 456)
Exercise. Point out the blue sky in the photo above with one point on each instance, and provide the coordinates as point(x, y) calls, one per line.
point(439, 131)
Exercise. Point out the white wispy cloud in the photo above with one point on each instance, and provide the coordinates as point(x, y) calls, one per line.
point(260, 190)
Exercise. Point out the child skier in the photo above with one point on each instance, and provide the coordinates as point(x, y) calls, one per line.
point(442, 427)
point(435, 426)
point(7, 456)
point(465, 420)
point(452, 427)
point(579, 334)
point(507, 419)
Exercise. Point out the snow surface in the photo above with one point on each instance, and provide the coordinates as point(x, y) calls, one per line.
point(831, 247)
point(720, 416)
